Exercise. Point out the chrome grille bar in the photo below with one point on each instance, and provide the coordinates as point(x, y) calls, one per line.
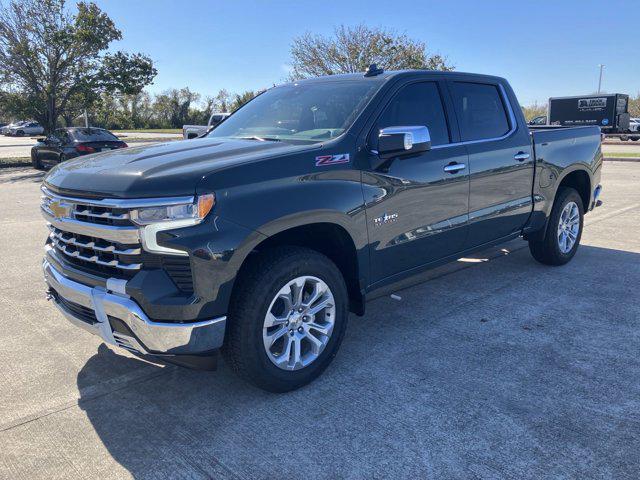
point(57, 234)
point(87, 212)
point(111, 233)
point(94, 258)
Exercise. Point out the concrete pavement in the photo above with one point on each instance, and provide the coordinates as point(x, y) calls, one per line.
point(496, 368)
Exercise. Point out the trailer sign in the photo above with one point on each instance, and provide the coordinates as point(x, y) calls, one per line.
point(607, 110)
point(592, 104)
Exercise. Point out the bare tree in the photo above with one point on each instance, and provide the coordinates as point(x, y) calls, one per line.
point(353, 49)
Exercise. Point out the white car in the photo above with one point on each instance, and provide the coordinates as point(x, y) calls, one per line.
point(634, 125)
point(27, 128)
point(5, 130)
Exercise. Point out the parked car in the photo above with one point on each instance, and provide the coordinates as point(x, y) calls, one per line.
point(634, 129)
point(194, 131)
point(66, 143)
point(26, 128)
point(539, 120)
point(259, 239)
point(5, 129)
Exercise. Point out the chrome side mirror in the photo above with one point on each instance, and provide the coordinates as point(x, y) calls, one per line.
point(398, 141)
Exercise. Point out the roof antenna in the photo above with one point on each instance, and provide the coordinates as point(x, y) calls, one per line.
point(373, 70)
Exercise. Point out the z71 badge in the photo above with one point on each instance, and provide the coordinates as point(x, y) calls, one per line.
point(324, 160)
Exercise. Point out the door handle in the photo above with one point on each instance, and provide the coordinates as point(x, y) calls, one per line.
point(454, 167)
point(521, 156)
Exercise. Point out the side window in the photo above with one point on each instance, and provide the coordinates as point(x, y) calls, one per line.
point(418, 104)
point(480, 111)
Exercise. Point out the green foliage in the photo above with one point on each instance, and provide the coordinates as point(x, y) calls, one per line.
point(170, 109)
point(126, 73)
point(56, 59)
point(634, 106)
point(534, 110)
point(353, 49)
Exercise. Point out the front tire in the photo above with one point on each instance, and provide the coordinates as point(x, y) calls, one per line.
point(564, 230)
point(20, 133)
point(287, 319)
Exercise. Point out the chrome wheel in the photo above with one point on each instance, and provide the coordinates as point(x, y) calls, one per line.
point(568, 227)
point(299, 323)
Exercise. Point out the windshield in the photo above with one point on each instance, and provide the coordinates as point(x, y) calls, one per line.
point(300, 113)
point(93, 135)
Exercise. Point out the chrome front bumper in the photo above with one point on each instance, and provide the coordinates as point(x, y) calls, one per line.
point(144, 336)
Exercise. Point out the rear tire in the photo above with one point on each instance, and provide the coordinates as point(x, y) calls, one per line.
point(256, 317)
point(35, 160)
point(564, 230)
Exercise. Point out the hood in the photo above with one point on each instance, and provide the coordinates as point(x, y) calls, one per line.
point(159, 170)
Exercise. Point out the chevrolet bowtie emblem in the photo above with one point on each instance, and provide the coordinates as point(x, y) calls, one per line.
point(60, 210)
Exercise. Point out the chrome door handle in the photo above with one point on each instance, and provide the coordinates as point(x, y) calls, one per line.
point(454, 167)
point(521, 156)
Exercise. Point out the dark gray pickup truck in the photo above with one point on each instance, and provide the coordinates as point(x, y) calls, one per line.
point(315, 197)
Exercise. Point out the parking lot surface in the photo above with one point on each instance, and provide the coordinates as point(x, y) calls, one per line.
point(498, 367)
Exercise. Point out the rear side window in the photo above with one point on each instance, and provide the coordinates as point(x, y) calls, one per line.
point(480, 111)
point(418, 104)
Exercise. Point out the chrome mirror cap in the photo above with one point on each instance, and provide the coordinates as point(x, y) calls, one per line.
point(404, 140)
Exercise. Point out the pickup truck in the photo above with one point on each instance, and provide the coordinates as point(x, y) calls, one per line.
point(258, 239)
point(190, 132)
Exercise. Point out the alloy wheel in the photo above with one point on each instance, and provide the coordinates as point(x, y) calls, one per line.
point(299, 323)
point(568, 227)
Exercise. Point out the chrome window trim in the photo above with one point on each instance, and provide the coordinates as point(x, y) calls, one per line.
point(510, 117)
point(124, 203)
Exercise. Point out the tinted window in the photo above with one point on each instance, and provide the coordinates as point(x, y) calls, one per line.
point(480, 111)
point(93, 135)
point(418, 104)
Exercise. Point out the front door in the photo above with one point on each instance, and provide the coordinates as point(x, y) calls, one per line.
point(416, 211)
point(500, 160)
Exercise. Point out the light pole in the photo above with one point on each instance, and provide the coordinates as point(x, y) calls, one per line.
point(600, 80)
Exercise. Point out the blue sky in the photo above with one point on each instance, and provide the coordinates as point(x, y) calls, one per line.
point(544, 48)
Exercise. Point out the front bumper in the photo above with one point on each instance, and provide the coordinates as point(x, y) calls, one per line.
point(114, 316)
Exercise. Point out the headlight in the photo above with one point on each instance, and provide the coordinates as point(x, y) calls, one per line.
point(195, 212)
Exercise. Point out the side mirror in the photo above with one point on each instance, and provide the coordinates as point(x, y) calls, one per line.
point(398, 141)
point(41, 140)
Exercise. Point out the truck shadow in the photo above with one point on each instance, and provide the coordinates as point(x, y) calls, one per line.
point(439, 384)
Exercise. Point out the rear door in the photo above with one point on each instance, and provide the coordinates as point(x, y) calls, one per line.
point(416, 211)
point(500, 160)
point(50, 152)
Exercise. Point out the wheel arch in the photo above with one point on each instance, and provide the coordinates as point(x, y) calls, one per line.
point(326, 237)
point(580, 180)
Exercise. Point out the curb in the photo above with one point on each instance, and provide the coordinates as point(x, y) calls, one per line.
point(622, 159)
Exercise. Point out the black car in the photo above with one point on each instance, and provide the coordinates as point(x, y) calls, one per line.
point(66, 143)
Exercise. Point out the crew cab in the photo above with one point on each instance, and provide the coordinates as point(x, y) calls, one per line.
point(312, 199)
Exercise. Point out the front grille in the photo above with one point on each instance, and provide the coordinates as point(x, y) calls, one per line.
point(99, 256)
point(89, 250)
point(79, 311)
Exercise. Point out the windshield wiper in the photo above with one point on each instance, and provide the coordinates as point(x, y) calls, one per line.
point(261, 139)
